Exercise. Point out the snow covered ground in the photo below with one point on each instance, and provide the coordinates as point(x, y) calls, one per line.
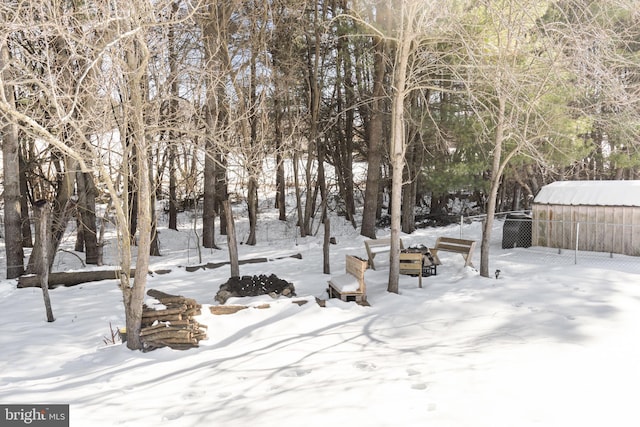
point(545, 344)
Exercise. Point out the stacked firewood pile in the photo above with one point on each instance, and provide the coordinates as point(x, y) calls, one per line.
point(172, 326)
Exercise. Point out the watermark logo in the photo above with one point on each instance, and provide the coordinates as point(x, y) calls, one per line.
point(34, 415)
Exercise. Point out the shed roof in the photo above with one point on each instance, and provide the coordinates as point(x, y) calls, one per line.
point(593, 193)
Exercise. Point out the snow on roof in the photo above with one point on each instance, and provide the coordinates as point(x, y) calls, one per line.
point(593, 193)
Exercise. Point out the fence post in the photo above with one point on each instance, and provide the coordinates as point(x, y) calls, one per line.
point(577, 240)
point(461, 223)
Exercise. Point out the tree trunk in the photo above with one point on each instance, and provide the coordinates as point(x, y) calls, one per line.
point(132, 191)
point(154, 244)
point(79, 246)
point(398, 143)
point(343, 157)
point(11, 186)
point(254, 157)
point(61, 213)
point(136, 294)
point(173, 196)
point(208, 204)
point(494, 184)
point(313, 70)
point(136, 58)
point(375, 136)
point(86, 211)
point(210, 45)
point(173, 119)
point(280, 177)
point(296, 183)
point(27, 239)
point(409, 191)
point(326, 264)
point(42, 213)
point(232, 242)
point(252, 205)
point(222, 192)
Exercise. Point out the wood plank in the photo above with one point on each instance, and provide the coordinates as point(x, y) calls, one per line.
point(453, 248)
point(456, 241)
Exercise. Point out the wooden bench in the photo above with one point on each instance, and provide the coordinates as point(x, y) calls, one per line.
point(377, 246)
point(350, 286)
point(450, 244)
point(411, 264)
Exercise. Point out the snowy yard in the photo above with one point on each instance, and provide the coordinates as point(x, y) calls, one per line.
point(543, 345)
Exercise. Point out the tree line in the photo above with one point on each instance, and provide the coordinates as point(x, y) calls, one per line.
point(125, 102)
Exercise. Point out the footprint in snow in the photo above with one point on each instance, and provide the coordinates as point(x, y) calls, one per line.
point(192, 395)
point(296, 373)
point(419, 386)
point(365, 366)
point(172, 416)
point(412, 372)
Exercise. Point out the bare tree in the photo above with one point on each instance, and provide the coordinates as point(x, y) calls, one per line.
point(415, 30)
point(11, 170)
point(122, 40)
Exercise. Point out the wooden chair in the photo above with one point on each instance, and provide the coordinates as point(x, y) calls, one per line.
point(450, 244)
point(350, 286)
point(378, 246)
point(411, 264)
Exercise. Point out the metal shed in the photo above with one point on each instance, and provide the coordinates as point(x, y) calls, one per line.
point(599, 216)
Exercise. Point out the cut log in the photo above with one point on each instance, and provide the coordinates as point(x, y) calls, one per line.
point(170, 340)
point(163, 312)
point(160, 335)
point(161, 318)
point(193, 312)
point(159, 295)
point(173, 346)
point(149, 329)
point(226, 309)
point(161, 328)
point(181, 323)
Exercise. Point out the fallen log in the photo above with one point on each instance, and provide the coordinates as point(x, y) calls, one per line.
point(211, 265)
point(72, 278)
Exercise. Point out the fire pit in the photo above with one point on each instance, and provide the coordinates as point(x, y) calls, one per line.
point(251, 286)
